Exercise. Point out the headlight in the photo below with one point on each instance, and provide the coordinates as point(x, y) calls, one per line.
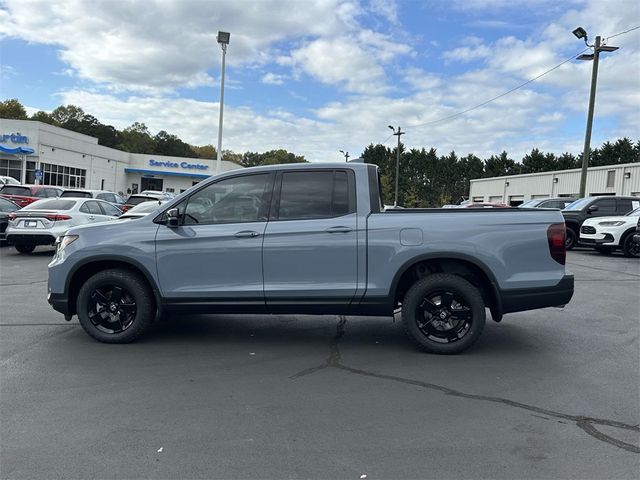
point(611, 224)
point(64, 240)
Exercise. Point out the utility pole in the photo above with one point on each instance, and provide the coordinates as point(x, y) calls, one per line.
point(223, 40)
point(398, 133)
point(346, 155)
point(581, 33)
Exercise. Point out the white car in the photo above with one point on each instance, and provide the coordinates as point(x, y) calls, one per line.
point(8, 181)
point(43, 221)
point(606, 234)
point(141, 210)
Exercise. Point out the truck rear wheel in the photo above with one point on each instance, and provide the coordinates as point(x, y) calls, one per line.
point(115, 306)
point(443, 313)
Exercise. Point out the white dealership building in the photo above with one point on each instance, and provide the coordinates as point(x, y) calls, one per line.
point(622, 179)
point(35, 152)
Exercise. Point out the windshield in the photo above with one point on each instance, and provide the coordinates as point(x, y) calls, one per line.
point(7, 206)
point(579, 204)
point(11, 190)
point(143, 208)
point(76, 194)
point(531, 203)
point(138, 200)
point(51, 205)
point(633, 213)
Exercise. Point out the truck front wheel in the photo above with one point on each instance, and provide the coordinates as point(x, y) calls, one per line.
point(443, 313)
point(115, 306)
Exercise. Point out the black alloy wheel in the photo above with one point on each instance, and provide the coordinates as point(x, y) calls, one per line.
point(116, 306)
point(444, 317)
point(630, 247)
point(443, 313)
point(113, 309)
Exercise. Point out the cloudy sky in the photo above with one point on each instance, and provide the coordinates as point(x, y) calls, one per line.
point(319, 76)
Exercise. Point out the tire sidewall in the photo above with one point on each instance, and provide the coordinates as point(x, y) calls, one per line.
point(457, 285)
point(571, 239)
point(627, 245)
point(135, 286)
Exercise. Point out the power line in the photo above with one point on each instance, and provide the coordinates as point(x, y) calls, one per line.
point(449, 117)
point(622, 33)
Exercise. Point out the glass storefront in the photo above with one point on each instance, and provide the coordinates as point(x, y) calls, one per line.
point(61, 176)
point(11, 168)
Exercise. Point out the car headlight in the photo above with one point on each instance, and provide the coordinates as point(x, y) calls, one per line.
point(611, 224)
point(64, 240)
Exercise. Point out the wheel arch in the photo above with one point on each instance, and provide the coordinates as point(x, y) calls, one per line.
point(90, 266)
point(469, 268)
point(625, 235)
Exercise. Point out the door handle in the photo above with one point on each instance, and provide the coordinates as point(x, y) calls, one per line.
point(247, 234)
point(338, 230)
point(92, 218)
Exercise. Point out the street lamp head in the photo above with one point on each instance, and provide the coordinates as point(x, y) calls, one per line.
point(585, 56)
point(223, 38)
point(608, 48)
point(580, 33)
point(342, 152)
point(391, 128)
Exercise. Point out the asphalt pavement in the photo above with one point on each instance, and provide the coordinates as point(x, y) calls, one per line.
point(552, 393)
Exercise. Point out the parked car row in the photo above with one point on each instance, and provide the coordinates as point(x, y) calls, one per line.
point(32, 215)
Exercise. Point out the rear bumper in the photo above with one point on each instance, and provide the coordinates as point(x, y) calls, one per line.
point(30, 239)
point(520, 300)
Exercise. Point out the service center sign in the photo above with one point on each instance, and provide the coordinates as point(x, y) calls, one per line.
point(185, 165)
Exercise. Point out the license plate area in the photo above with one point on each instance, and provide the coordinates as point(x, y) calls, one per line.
point(30, 224)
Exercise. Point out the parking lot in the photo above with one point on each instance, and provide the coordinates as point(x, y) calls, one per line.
point(551, 393)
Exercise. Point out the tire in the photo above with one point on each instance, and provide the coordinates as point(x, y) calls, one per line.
point(630, 248)
point(605, 250)
point(25, 248)
point(427, 300)
point(115, 306)
point(570, 241)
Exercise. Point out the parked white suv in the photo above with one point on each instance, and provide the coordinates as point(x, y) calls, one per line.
point(606, 234)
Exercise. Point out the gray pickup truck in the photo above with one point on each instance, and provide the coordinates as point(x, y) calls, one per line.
point(311, 239)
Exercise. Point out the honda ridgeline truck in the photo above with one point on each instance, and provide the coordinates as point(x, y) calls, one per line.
point(311, 239)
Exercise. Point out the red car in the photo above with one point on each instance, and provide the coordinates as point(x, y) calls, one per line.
point(23, 195)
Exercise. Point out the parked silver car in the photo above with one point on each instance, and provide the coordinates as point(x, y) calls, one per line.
point(42, 222)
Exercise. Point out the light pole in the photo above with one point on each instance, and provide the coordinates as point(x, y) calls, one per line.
point(223, 40)
point(346, 155)
point(398, 133)
point(581, 33)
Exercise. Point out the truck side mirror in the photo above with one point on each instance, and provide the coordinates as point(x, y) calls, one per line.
point(173, 218)
point(592, 208)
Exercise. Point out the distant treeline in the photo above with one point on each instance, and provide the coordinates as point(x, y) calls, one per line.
point(431, 180)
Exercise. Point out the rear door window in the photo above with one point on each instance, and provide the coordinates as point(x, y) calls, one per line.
point(606, 206)
point(110, 210)
point(624, 205)
point(91, 207)
point(314, 194)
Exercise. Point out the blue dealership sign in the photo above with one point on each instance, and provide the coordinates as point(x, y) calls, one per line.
point(39, 175)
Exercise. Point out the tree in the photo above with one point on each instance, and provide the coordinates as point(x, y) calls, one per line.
point(64, 116)
point(499, 166)
point(537, 161)
point(136, 139)
point(12, 109)
point(168, 144)
point(205, 151)
point(42, 116)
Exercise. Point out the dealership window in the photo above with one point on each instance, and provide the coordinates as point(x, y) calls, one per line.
point(62, 176)
point(11, 168)
point(611, 178)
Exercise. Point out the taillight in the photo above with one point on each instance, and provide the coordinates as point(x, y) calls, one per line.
point(556, 236)
point(58, 218)
point(125, 208)
point(12, 217)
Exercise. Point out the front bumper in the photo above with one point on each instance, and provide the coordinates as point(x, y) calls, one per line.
point(598, 239)
point(520, 300)
point(59, 302)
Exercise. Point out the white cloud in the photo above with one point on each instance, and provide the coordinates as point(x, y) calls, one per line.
point(160, 45)
point(271, 78)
